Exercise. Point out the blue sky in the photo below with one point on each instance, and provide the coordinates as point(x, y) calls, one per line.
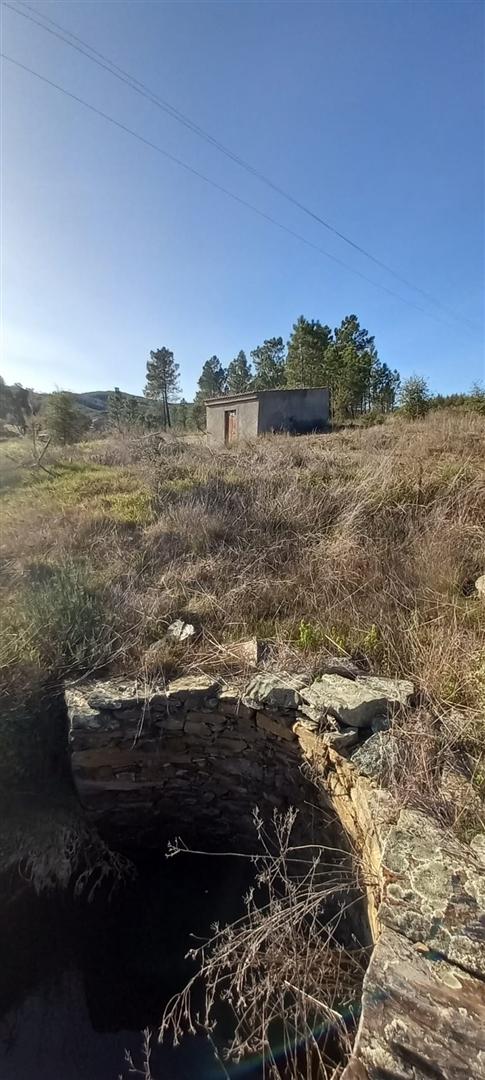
point(369, 113)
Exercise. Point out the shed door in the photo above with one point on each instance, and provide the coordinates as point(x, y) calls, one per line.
point(230, 425)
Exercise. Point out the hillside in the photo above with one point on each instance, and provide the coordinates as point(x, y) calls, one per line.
point(92, 402)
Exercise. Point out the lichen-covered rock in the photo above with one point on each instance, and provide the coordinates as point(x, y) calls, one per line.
point(112, 693)
point(421, 1017)
point(274, 691)
point(355, 703)
point(377, 757)
point(434, 891)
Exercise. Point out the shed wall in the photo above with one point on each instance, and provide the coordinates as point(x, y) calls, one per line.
point(247, 413)
point(296, 411)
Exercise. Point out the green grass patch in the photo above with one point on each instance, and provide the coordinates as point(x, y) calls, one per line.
point(112, 491)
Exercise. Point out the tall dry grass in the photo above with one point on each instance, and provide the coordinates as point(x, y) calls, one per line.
point(363, 541)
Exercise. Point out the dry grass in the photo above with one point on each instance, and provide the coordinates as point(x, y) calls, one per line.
point(288, 982)
point(364, 540)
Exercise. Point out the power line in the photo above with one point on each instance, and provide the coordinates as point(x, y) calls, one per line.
point(217, 186)
point(141, 88)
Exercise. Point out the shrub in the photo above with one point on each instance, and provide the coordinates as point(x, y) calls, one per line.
point(415, 397)
point(59, 621)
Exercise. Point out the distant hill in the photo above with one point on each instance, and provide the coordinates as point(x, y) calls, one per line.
point(94, 404)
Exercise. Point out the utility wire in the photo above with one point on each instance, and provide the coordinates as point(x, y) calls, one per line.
point(141, 88)
point(219, 187)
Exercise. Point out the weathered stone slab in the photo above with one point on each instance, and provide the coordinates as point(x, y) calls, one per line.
point(355, 703)
point(434, 891)
point(274, 691)
point(194, 689)
point(112, 694)
point(422, 1019)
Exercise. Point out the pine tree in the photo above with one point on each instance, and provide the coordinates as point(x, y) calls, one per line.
point(116, 409)
point(384, 387)
point(212, 383)
point(269, 364)
point(239, 374)
point(349, 363)
point(132, 414)
point(64, 422)
point(162, 381)
point(305, 360)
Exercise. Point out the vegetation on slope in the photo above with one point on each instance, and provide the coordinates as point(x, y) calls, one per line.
point(363, 541)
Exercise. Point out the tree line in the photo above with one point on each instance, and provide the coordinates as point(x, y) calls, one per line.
point(344, 359)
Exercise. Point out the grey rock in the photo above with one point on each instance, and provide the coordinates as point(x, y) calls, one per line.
point(192, 690)
point(338, 665)
point(83, 717)
point(434, 891)
point(376, 757)
point(356, 703)
point(274, 691)
point(396, 691)
point(114, 694)
point(421, 1017)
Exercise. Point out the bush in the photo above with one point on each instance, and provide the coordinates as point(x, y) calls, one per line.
point(415, 397)
point(59, 621)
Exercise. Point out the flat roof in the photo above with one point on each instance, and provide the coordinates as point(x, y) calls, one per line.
point(253, 395)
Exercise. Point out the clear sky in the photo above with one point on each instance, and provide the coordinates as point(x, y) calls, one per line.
point(369, 113)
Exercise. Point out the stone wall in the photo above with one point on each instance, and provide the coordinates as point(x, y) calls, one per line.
point(190, 760)
point(196, 757)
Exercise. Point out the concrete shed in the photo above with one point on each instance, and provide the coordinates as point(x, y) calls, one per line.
point(258, 412)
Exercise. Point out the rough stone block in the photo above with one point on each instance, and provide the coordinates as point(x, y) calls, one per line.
point(274, 691)
point(421, 1017)
point(356, 703)
point(434, 891)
